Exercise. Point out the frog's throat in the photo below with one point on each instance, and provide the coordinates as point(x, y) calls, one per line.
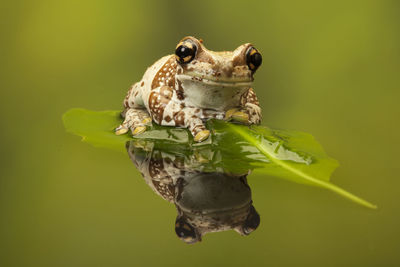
point(216, 81)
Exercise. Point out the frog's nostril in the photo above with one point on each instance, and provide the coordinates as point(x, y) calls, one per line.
point(228, 71)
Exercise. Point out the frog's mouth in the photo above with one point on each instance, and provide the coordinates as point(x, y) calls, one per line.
point(216, 81)
point(212, 93)
point(232, 211)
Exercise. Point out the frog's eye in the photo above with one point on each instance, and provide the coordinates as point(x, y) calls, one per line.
point(185, 51)
point(252, 221)
point(253, 58)
point(186, 232)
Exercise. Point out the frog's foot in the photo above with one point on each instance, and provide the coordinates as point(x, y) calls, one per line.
point(199, 131)
point(138, 130)
point(140, 127)
point(136, 120)
point(238, 115)
point(135, 129)
point(120, 130)
point(229, 113)
point(250, 114)
point(202, 135)
point(241, 116)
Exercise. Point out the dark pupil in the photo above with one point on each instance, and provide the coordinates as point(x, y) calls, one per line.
point(252, 221)
point(256, 59)
point(184, 230)
point(183, 51)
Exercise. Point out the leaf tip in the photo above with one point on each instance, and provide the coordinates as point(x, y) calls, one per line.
point(372, 206)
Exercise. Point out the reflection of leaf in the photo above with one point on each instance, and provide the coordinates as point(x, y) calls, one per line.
point(291, 155)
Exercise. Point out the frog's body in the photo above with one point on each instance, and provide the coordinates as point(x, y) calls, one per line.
point(192, 86)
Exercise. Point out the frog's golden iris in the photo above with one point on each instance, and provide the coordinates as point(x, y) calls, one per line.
point(185, 51)
point(186, 232)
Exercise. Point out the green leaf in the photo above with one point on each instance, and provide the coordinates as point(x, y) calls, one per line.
point(286, 152)
point(97, 129)
point(291, 155)
point(317, 172)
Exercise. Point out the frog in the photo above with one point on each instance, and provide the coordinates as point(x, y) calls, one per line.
point(193, 85)
point(206, 201)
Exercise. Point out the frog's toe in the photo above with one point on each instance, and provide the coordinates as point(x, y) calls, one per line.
point(202, 135)
point(241, 116)
point(138, 130)
point(146, 121)
point(121, 130)
point(229, 113)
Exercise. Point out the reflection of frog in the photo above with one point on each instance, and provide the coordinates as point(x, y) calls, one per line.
point(205, 201)
point(192, 86)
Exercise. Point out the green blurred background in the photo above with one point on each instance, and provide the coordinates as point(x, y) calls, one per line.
point(331, 68)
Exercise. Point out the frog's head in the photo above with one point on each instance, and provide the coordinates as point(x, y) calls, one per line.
point(213, 202)
point(191, 227)
point(220, 75)
point(230, 67)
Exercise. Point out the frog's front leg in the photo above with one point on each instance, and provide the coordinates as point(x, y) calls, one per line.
point(166, 109)
point(191, 118)
point(249, 111)
point(135, 114)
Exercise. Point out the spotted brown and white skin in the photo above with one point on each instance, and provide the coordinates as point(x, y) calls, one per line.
point(192, 86)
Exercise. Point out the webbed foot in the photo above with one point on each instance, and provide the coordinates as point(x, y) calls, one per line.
point(230, 112)
point(136, 120)
point(120, 130)
point(250, 114)
point(241, 116)
point(202, 135)
point(138, 130)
